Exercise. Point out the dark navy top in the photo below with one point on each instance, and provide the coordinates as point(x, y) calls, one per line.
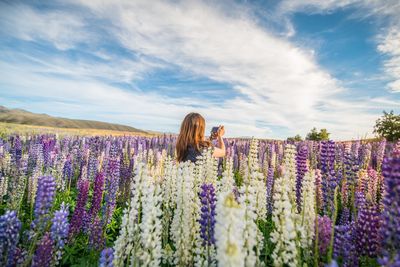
point(191, 154)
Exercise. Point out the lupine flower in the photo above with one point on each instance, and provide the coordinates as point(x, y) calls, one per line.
point(284, 217)
point(367, 230)
point(59, 231)
point(308, 211)
point(96, 238)
point(79, 212)
point(150, 226)
point(301, 161)
point(324, 233)
point(106, 258)
point(391, 212)
point(112, 184)
point(207, 220)
point(44, 252)
point(43, 201)
point(229, 231)
point(345, 244)
point(97, 195)
point(9, 236)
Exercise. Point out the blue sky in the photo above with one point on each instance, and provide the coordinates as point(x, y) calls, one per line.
point(262, 68)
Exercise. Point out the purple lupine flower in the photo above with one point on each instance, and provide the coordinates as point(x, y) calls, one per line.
point(106, 258)
point(359, 200)
point(324, 233)
point(44, 252)
point(207, 220)
point(344, 244)
point(79, 212)
point(301, 161)
point(10, 226)
point(44, 201)
point(67, 169)
point(97, 195)
point(391, 211)
point(20, 257)
point(96, 238)
point(112, 184)
point(17, 155)
point(367, 230)
point(59, 230)
point(318, 188)
point(344, 216)
point(270, 185)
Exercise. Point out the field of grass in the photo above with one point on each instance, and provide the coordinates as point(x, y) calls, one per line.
point(11, 128)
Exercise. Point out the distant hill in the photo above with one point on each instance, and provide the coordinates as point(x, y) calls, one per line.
point(20, 116)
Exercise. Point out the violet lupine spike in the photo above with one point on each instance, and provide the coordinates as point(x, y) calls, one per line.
point(17, 155)
point(97, 195)
point(67, 169)
point(59, 230)
point(207, 219)
point(324, 233)
point(391, 209)
point(367, 231)
point(106, 258)
point(44, 252)
point(43, 201)
point(79, 212)
point(96, 238)
point(112, 184)
point(344, 245)
point(301, 162)
point(10, 226)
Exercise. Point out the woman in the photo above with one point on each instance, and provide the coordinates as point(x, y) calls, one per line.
point(191, 140)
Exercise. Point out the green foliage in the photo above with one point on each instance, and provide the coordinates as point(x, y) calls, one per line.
point(314, 135)
point(388, 126)
point(296, 138)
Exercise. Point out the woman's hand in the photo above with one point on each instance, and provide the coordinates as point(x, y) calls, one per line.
point(221, 131)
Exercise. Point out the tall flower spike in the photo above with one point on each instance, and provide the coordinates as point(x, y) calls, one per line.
point(9, 236)
point(301, 161)
point(308, 212)
point(106, 258)
point(284, 217)
point(229, 231)
point(391, 211)
point(79, 212)
point(59, 231)
point(43, 201)
point(44, 252)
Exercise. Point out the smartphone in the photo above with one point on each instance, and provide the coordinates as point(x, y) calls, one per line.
point(214, 130)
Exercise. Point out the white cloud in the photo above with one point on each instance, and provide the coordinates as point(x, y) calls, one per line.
point(390, 45)
point(389, 37)
point(275, 82)
point(63, 29)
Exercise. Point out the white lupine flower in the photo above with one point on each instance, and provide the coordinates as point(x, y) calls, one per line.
point(127, 244)
point(3, 185)
point(207, 168)
point(284, 217)
point(181, 231)
point(229, 229)
point(150, 226)
point(290, 170)
point(227, 182)
point(308, 212)
point(252, 236)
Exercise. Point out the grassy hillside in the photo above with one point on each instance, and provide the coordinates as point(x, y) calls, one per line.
point(19, 116)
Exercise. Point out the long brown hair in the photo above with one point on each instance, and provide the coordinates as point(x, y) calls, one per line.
point(191, 133)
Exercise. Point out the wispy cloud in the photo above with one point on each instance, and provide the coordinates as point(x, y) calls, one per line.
point(274, 84)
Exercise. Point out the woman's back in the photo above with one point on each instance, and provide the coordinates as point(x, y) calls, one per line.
point(191, 154)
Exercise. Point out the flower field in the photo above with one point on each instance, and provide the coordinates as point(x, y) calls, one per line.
point(125, 201)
